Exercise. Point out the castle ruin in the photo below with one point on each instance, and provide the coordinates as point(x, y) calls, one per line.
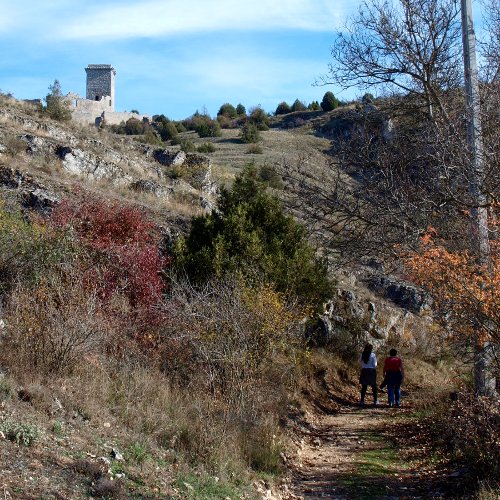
point(99, 104)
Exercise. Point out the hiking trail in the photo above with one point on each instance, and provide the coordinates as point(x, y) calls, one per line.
point(347, 452)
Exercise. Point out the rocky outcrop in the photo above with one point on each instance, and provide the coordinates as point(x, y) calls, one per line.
point(33, 195)
point(401, 293)
point(169, 159)
point(355, 318)
point(93, 157)
point(80, 162)
point(151, 187)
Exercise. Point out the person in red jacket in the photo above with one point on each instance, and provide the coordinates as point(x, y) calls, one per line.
point(393, 377)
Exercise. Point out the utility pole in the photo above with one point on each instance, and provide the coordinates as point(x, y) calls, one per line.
point(483, 382)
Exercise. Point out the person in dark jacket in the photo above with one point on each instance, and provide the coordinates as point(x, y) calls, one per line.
point(368, 375)
point(393, 377)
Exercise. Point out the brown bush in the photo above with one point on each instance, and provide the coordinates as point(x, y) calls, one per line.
point(473, 428)
point(51, 327)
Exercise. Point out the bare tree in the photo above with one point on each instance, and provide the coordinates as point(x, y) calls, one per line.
point(490, 47)
point(408, 46)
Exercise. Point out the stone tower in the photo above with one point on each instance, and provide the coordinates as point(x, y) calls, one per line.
point(101, 83)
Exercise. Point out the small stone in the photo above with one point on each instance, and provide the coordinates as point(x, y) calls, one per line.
point(188, 486)
point(105, 460)
point(116, 454)
point(107, 425)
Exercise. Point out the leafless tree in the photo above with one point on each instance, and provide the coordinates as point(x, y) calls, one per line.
point(490, 47)
point(411, 47)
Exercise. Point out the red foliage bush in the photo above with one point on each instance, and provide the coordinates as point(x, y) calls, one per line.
point(125, 248)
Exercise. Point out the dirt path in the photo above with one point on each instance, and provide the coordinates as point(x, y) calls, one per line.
point(347, 452)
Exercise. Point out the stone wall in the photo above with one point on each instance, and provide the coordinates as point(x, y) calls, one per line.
point(101, 83)
point(93, 107)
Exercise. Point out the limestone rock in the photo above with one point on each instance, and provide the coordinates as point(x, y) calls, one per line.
point(169, 159)
point(40, 199)
point(151, 187)
point(403, 294)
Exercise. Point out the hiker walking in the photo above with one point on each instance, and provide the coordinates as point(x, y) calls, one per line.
point(368, 376)
point(393, 377)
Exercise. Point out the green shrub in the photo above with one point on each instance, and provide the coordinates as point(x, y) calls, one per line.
point(259, 118)
point(314, 106)
point(227, 110)
point(298, 106)
point(180, 127)
point(28, 251)
point(6, 389)
point(329, 102)
point(133, 126)
point(206, 147)
point(57, 105)
point(283, 108)
point(250, 233)
point(22, 433)
point(150, 137)
point(208, 128)
point(137, 453)
point(167, 129)
point(187, 145)
point(250, 133)
point(241, 110)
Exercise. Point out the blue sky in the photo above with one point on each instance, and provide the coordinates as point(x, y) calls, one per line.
point(172, 56)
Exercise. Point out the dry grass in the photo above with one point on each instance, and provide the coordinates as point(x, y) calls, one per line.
point(279, 147)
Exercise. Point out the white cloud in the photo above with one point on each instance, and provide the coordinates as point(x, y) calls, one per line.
point(154, 18)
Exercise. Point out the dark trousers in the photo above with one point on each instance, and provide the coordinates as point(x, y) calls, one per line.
point(364, 387)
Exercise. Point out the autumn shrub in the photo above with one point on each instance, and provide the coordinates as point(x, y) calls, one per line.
point(29, 249)
point(466, 294)
point(230, 331)
point(473, 430)
point(125, 245)
point(51, 326)
point(254, 149)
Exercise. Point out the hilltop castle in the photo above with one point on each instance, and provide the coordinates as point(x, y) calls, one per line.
point(99, 103)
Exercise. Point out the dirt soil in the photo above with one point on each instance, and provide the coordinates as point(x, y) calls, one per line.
point(348, 452)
